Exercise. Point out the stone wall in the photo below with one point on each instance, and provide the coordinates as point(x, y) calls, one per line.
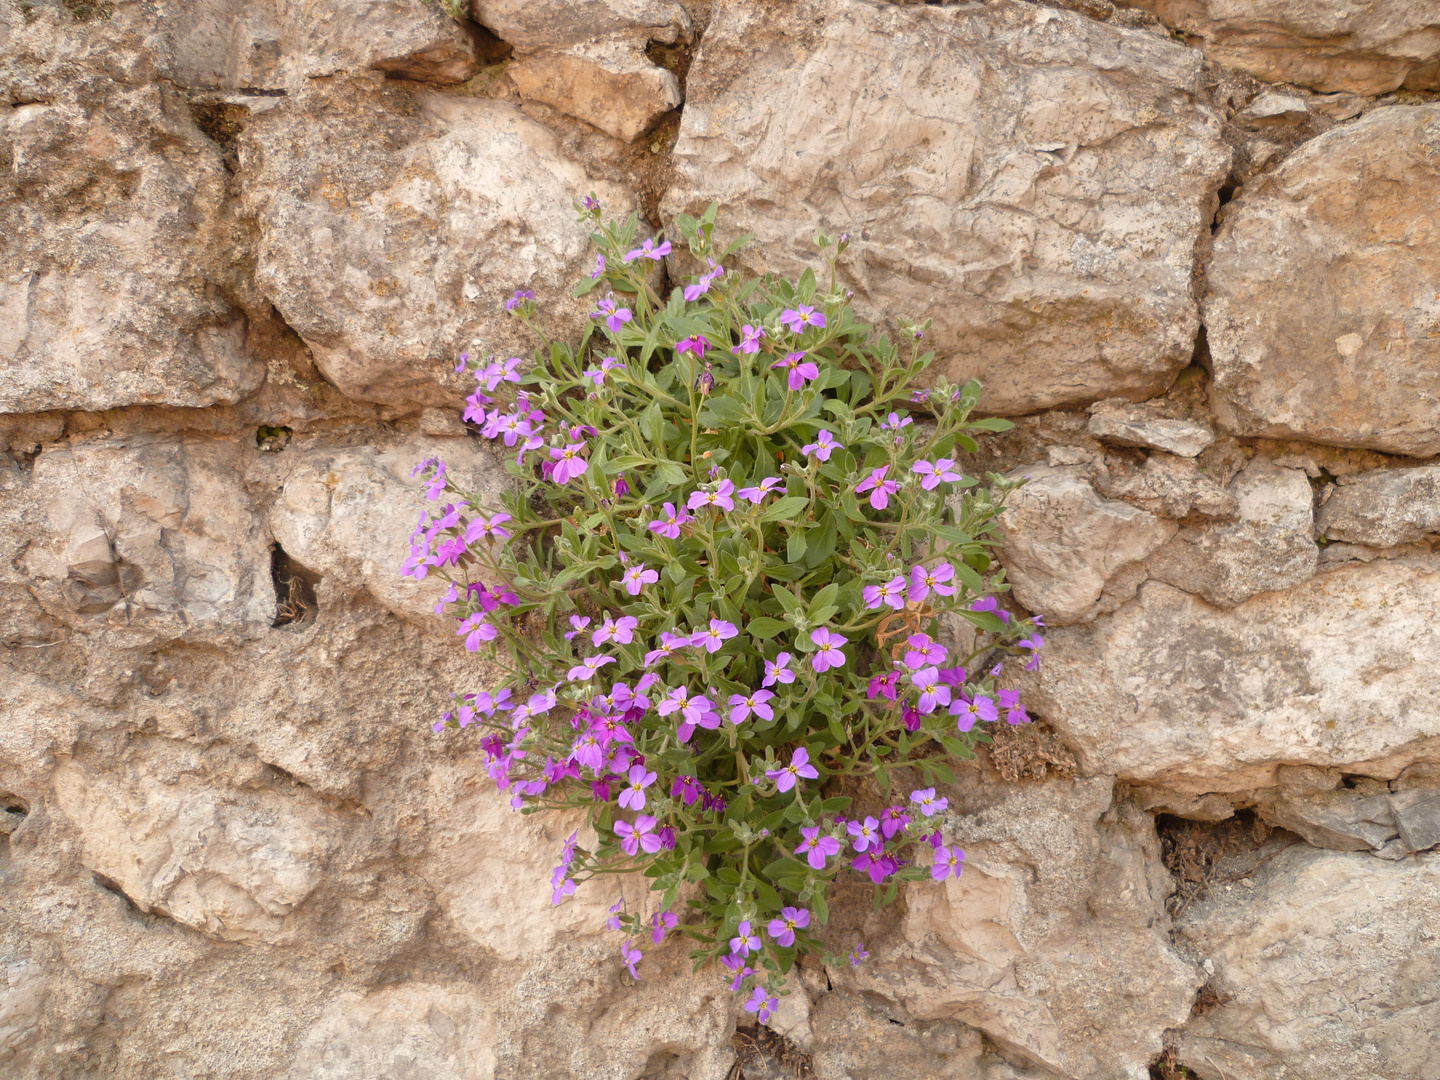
point(1191, 245)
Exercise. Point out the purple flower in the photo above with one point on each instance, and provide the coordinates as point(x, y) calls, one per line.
point(715, 637)
point(947, 863)
point(756, 494)
point(736, 963)
point(923, 652)
point(891, 593)
point(800, 373)
point(599, 267)
point(749, 340)
point(631, 956)
point(620, 630)
point(686, 788)
point(882, 488)
point(924, 581)
point(705, 382)
point(933, 693)
point(668, 524)
point(883, 686)
point(744, 943)
point(719, 497)
point(829, 655)
point(560, 886)
point(615, 318)
point(697, 345)
point(633, 796)
point(791, 919)
point(970, 709)
point(1014, 711)
point(857, 954)
point(648, 250)
point(761, 1002)
point(895, 422)
point(637, 836)
point(579, 622)
point(475, 630)
point(866, 834)
point(482, 526)
point(940, 471)
point(660, 922)
point(464, 359)
point(925, 799)
point(1033, 643)
point(778, 670)
point(990, 604)
point(823, 446)
point(494, 373)
point(701, 287)
point(568, 462)
point(588, 667)
point(521, 295)
point(894, 820)
point(637, 577)
point(817, 848)
point(799, 318)
point(741, 706)
point(786, 777)
point(953, 676)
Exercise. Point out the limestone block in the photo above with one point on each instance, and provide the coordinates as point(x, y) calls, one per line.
point(348, 514)
point(411, 39)
point(1033, 181)
point(1167, 485)
point(1050, 942)
point(116, 280)
point(610, 85)
point(1130, 425)
point(232, 865)
point(1325, 970)
point(1338, 670)
point(1270, 547)
point(390, 237)
point(529, 26)
point(1383, 508)
point(1062, 542)
point(1325, 44)
point(1322, 313)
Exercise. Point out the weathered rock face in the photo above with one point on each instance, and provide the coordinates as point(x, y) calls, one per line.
point(1325, 971)
point(1333, 672)
point(465, 201)
point(1325, 44)
point(1054, 259)
point(220, 795)
point(1322, 311)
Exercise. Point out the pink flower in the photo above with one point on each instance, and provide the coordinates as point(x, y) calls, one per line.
point(783, 929)
point(933, 693)
point(668, 524)
point(715, 637)
point(620, 630)
point(749, 340)
point(786, 777)
point(720, 497)
point(923, 652)
point(579, 622)
point(741, 706)
point(482, 526)
point(882, 686)
point(866, 834)
point(947, 862)
point(823, 446)
point(648, 250)
point(925, 799)
point(934, 474)
point(797, 319)
point(800, 373)
point(637, 836)
point(745, 942)
point(829, 655)
point(778, 670)
point(924, 581)
point(817, 848)
point(569, 462)
point(758, 493)
point(697, 345)
point(891, 593)
point(882, 488)
point(633, 796)
point(631, 956)
point(637, 577)
point(587, 668)
point(970, 709)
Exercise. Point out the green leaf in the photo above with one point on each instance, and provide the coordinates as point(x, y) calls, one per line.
point(795, 547)
point(672, 473)
point(786, 508)
point(719, 411)
point(764, 628)
point(652, 424)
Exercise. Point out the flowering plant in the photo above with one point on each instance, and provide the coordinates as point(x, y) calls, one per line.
point(730, 574)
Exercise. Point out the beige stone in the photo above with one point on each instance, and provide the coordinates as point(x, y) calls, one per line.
point(1336, 671)
point(529, 26)
point(1035, 182)
point(1271, 546)
point(1325, 44)
point(1383, 508)
point(1167, 485)
point(1325, 970)
point(611, 85)
point(391, 236)
point(1322, 313)
point(1063, 543)
point(1128, 425)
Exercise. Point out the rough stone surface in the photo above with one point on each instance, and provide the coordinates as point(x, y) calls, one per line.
point(611, 85)
point(1325, 971)
point(1171, 486)
point(1326, 44)
point(1270, 547)
point(392, 231)
point(1054, 256)
point(1130, 426)
point(1055, 913)
point(530, 26)
point(1322, 313)
point(1384, 508)
point(1063, 543)
point(1335, 671)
